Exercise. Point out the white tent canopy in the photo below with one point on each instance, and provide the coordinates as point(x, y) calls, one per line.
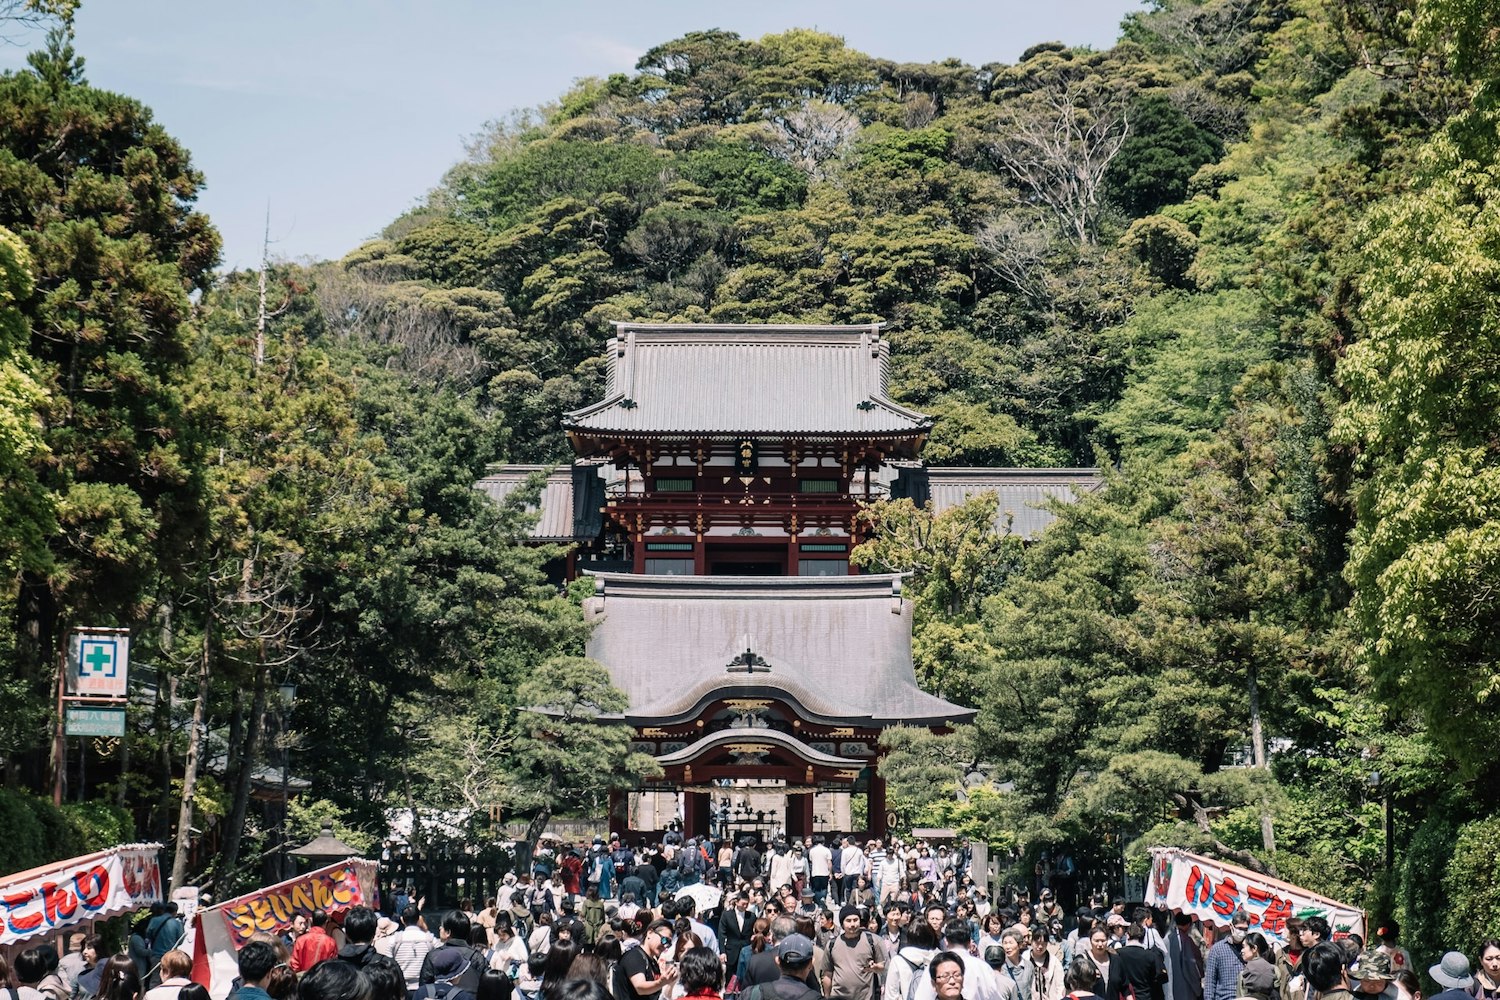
point(42, 901)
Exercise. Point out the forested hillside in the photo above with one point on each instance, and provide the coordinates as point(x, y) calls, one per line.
point(1246, 260)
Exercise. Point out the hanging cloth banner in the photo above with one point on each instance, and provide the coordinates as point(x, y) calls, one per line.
point(333, 889)
point(1212, 890)
point(97, 886)
point(222, 929)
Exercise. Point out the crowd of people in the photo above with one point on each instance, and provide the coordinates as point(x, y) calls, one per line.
point(808, 920)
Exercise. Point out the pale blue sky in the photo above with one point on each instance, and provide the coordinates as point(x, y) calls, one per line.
point(341, 115)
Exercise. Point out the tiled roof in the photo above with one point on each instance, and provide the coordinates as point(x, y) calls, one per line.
point(747, 379)
point(840, 647)
point(1021, 492)
point(556, 523)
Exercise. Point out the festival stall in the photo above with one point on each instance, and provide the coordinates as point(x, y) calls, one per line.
point(1212, 890)
point(219, 931)
point(71, 895)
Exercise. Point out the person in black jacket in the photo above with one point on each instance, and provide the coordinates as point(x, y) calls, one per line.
point(1136, 972)
point(453, 963)
point(735, 927)
point(359, 937)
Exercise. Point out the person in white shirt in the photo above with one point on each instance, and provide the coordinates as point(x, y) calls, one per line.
point(980, 981)
point(888, 879)
point(852, 864)
point(909, 961)
point(410, 945)
point(781, 870)
point(509, 953)
point(72, 963)
point(819, 869)
point(507, 890)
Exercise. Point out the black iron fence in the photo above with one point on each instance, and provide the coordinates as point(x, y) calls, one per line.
point(441, 883)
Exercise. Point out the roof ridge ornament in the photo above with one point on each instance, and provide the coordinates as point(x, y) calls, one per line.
point(748, 662)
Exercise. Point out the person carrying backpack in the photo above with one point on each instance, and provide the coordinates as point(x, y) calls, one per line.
point(449, 967)
point(905, 972)
point(453, 964)
point(853, 959)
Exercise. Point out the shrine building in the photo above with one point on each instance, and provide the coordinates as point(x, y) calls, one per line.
point(714, 499)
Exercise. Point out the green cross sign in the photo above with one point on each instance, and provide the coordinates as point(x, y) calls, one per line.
point(99, 662)
point(97, 656)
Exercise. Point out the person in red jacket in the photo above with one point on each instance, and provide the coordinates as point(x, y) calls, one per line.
point(571, 867)
point(317, 945)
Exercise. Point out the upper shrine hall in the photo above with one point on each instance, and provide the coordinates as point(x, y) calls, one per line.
point(741, 455)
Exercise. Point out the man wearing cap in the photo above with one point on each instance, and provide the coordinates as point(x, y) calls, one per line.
point(1371, 976)
point(765, 967)
point(794, 956)
point(853, 960)
point(1453, 975)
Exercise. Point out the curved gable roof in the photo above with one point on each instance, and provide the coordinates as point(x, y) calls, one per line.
point(838, 647)
point(723, 379)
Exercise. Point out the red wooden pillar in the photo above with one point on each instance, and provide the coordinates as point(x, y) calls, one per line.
point(619, 812)
point(695, 819)
point(876, 805)
point(799, 815)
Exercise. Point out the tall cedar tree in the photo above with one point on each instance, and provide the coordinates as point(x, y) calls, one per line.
point(102, 197)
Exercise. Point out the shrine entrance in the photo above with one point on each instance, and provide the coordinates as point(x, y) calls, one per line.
point(746, 560)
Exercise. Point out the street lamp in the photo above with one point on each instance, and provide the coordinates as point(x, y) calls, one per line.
point(288, 698)
point(1381, 785)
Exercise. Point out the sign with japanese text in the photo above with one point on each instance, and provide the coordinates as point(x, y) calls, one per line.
point(98, 662)
point(93, 887)
point(1212, 890)
point(333, 889)
point(93, 721)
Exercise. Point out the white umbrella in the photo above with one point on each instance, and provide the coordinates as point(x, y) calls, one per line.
point(705, 897)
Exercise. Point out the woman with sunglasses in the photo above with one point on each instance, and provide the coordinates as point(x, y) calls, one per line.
point(641, 973)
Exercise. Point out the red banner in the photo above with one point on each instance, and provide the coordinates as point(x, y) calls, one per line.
point(1214, 890)
point(94, 887)
point(333, 890)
